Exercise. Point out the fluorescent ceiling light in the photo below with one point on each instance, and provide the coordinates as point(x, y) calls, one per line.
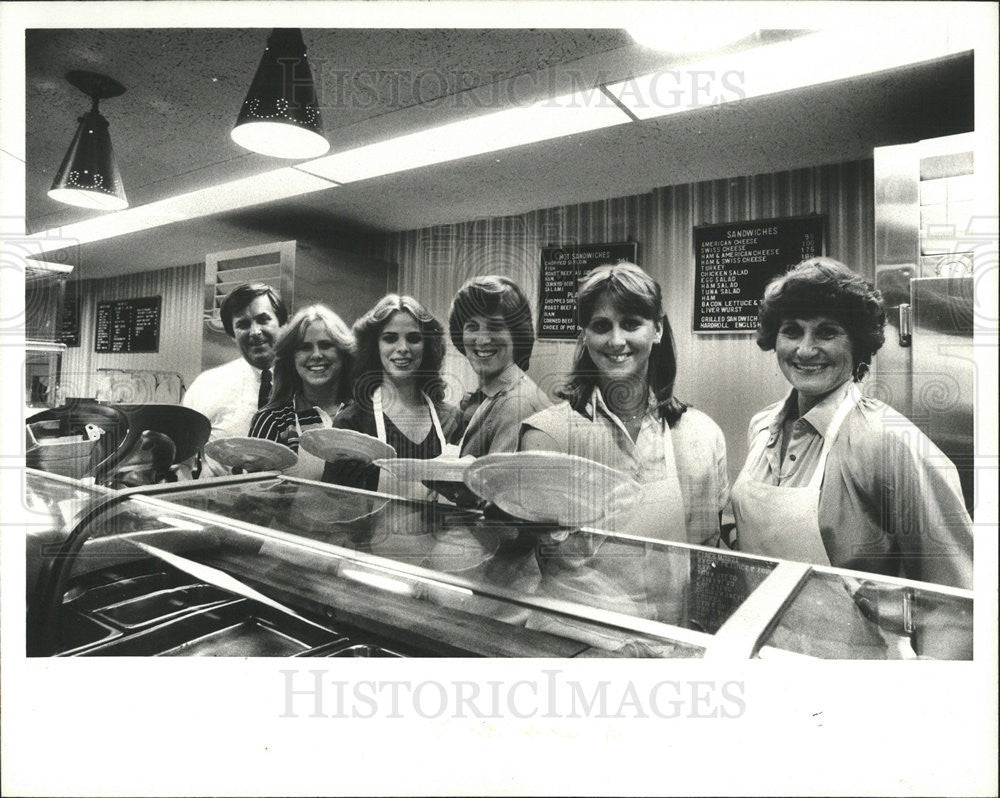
point(667, 38)
point(270, 186)
point(560, 116)
point(686, 27)
point(40, 269)
point(578, 112)
point(808, 60)
point(805, 61)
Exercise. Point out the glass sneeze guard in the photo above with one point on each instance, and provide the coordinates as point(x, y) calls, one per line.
point(264, 553)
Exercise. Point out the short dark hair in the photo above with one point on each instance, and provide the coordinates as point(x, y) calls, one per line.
point(241, 297)
point(825, 287)
point(493, 295)
point(287, 382)
point(630, 290)
point(368, 365)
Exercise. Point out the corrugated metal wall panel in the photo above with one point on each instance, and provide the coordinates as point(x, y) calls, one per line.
point(180, 321)
point(725, 375)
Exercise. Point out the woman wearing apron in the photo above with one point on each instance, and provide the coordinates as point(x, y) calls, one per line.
point(491, 324)
point(619, 410)
point(398, 394)
point(313, 356)
point(835, 478)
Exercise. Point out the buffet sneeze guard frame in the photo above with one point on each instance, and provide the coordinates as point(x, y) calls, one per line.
point(58, 577)
point(741, 636)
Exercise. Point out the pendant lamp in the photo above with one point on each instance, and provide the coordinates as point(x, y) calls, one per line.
point(89, 177)
point(280, 116)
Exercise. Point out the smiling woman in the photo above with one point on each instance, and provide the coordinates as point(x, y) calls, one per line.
point(313, 356)
point(620, 410)
point(398, 394)
point(834, 477)
point(490, 323)
point(815, 357)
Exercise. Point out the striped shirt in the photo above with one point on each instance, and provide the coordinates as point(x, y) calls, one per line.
point(278, 423)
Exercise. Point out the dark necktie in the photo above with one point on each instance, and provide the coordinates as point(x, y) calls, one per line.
point(265, 388)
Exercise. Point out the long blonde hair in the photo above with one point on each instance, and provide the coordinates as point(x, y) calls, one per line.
point(287, 382)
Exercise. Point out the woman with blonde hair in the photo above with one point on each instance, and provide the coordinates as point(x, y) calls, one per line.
point(313, 357)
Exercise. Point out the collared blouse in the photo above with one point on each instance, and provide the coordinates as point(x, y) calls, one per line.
point(891, 501)
point(699, 454)
point(496, 427)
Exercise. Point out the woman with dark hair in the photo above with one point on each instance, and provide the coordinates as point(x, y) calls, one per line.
point(398, 393)
point(832, 477)
point(620, 410)
point(490, 323)
point(313, 357)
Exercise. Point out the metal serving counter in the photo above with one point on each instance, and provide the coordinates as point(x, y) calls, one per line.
point(266, 565)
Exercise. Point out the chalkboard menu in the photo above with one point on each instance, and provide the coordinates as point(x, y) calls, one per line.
point(562, 268)
point(733, 263)
point(69, 327)
point(128, 325)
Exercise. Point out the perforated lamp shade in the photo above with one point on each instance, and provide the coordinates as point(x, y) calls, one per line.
point(89, 176)
point(280, 116)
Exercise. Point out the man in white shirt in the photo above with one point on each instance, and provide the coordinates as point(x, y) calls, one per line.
point(229, 395)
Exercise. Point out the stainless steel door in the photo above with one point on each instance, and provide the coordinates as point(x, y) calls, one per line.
point(943, 371)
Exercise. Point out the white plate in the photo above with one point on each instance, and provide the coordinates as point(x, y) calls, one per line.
point(344, 444)
point(259, 454)
point(546, 487)
point(440, 469)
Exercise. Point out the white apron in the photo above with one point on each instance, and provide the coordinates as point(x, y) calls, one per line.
point(659, 513)
point(387, 483)
point(628, 579)
point(783, 522)
point(309, 465)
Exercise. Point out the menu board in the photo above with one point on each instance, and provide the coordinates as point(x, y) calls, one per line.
point(128, 325)
point(735, 261)
point(69, 327)
point(562, 268)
